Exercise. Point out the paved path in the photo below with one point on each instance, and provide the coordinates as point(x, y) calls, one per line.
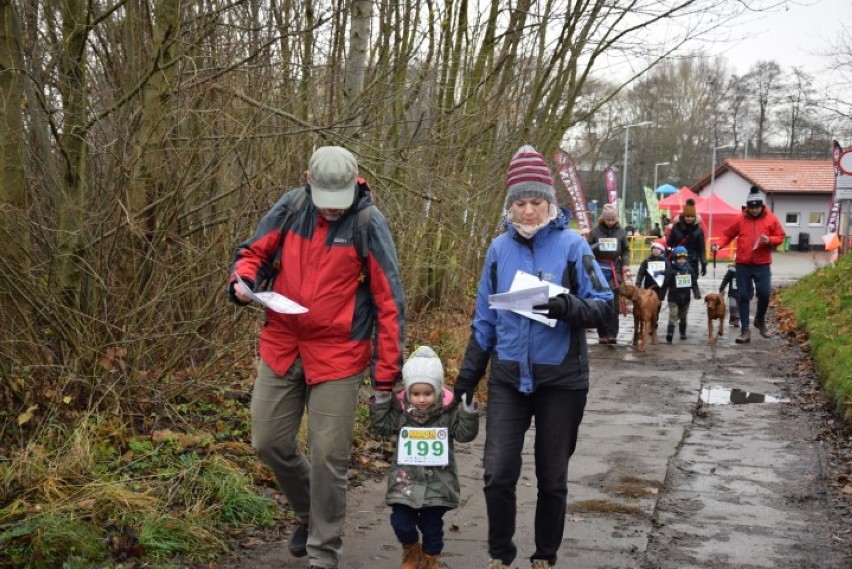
point(659, 478)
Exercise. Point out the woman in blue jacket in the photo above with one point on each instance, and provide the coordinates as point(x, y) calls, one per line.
point(538, 369)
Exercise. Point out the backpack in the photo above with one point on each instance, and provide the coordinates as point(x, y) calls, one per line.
point(269, 269)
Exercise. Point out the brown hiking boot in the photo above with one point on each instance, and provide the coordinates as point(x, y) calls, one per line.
point(744, 338)
point(411, 555)
point(761, 327)
point(429, 561)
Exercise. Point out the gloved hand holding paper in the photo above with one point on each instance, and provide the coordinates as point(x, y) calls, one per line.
point(272, 300)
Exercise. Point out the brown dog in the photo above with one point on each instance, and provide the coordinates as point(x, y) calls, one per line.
point(715, 310)
point(646, 311)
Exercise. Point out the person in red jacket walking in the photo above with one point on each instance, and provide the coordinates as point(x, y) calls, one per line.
point(757, 231)
point(347, 276)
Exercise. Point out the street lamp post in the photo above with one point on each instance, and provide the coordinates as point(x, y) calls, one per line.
point(657, 165)
point(624, 173)
point(713, 181)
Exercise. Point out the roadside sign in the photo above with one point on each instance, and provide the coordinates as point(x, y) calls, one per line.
point(845, 162)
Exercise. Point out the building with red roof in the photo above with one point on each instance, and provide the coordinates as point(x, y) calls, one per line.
point(798, 192)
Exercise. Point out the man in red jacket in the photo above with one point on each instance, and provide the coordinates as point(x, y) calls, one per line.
point(757, 232)
point(337, 259)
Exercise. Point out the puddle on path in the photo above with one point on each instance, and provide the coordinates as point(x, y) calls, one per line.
point(718, 395)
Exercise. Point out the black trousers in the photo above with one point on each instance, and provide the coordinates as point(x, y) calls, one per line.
point(558, 414)
point(406, 520)
point(610, 329)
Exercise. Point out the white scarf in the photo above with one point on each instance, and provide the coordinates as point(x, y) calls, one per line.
point(529, 231)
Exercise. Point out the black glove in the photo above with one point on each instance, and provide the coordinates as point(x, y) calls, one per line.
point(704, 270)
point(697, 296)
point(465, 393)
point(557, 307)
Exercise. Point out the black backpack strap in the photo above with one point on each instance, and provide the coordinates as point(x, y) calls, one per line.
point(361, 238)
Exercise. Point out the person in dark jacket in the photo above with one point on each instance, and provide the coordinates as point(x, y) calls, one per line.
point(680, 281)
point(687, 232)
point(423, 485)
point(315, 361)
point(652, 270)
point(612, 250)
point(757, 231)
point(729, 281)
point(539, 360)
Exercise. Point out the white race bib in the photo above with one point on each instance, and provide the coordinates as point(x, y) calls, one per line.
point(609, 244)
point(656, 266)
point(683, 281)
point(423, 446)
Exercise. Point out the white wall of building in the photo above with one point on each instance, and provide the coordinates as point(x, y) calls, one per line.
point(730, 187)
point(800, 214)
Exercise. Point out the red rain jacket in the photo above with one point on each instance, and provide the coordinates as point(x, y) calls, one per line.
point(345, 295)
point(747, 230)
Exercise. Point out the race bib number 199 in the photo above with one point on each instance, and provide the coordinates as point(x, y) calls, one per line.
point(423, 446)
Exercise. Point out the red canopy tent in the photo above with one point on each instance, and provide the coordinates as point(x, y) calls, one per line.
point(723, 216)
point(675, 202)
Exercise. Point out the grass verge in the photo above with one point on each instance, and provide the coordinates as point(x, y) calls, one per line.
point(95, 495)
point(171, 489)
point(819, 306)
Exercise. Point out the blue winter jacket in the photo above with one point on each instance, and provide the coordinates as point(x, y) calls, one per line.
point(522, 351)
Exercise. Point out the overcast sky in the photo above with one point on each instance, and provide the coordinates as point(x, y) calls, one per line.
point(799, 35)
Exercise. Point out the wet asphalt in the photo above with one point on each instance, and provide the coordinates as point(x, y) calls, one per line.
point(668, 471)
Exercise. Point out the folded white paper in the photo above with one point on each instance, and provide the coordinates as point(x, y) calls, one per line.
point(272, 300)
point(523, 283)
point(523, 299)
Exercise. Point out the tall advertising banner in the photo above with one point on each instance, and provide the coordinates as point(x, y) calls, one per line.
point(831, 240)
point(834, 211)
point(612, 189)
point(653, 204)
point(611, 185)
point(571, 179)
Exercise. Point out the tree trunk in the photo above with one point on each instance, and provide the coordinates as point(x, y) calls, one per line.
point(14, 206)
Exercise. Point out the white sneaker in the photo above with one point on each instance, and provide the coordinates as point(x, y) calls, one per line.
point(497, 564)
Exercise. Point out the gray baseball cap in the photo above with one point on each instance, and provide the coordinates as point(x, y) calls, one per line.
point(333, 170)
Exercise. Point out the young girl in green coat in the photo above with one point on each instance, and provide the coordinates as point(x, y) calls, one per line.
point(423, 482)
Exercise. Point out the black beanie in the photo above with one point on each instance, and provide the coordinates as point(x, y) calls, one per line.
point(754, 198)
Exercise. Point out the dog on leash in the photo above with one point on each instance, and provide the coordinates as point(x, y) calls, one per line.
point(715, 311)
point(646, 311)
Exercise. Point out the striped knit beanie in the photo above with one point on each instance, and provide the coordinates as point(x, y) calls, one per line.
point(529, 176)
